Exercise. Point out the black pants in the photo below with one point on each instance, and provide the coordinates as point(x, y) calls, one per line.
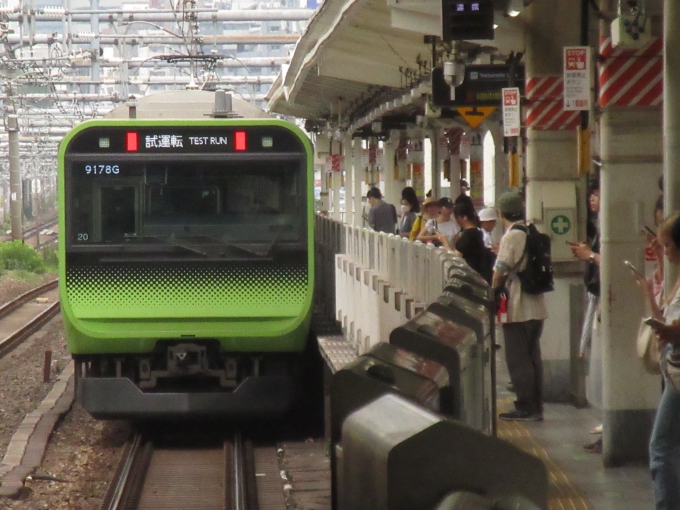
point(523, 356)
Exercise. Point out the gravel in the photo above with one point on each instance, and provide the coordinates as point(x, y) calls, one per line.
point(80, 461)
point(21, 372)
point(82, 451)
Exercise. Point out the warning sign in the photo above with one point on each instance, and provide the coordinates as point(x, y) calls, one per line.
point(336, 160)
point(576, 78)
point(476, 115)
point(511, 111)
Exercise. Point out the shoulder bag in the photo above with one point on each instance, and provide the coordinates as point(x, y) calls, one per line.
point(648, 349)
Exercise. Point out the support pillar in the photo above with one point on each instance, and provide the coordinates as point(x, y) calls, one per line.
point(358, 179)
point(435, 170)
point(392, 189)
point(336, 175)
point(671, 108)
point(349, 178)
point(94, 46)
point(631, 156)
point(552, 175)
point(477, 168)
point(632, 161)
point(14, 177)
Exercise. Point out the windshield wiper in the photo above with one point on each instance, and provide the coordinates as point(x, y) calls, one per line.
point(178, 245)
point(248, 249)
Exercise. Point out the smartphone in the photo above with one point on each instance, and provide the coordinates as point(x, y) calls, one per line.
point(648, 230)
point(655, 323)
point(633, 269)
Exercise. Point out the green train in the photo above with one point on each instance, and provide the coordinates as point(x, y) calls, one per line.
point(186, 274)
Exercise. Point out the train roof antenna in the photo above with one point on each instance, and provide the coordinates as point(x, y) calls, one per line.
point(223, 107)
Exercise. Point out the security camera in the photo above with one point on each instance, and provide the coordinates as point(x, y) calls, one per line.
point(454, 73)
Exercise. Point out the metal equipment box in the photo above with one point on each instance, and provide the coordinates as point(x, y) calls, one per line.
point(385, 369)
point(456, 347)
point(458, 331)
point(395, 455)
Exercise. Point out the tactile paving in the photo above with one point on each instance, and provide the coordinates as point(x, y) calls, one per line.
point(337, 351)
point(563, 492)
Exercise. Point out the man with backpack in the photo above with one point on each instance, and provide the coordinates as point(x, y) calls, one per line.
point(523, 273)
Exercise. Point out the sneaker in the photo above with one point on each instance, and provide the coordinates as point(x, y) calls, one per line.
point(597, 430)
point(595, 447)
point(518, 415)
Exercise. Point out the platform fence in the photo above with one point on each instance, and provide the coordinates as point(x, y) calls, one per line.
point(373, 282)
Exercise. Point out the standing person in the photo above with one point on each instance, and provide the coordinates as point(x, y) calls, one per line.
point(382, 217)
point(526, 313)
point(425, 227)
point(590, 347)
point(470, 243)
point(664, 445)
point(410, 208)
point(446, 224)
point(487, 222)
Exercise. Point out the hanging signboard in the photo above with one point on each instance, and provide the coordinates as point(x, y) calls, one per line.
point(476, 115)
point(576, 78)
point(481, 87)
point(511, 112)
point(464, 147)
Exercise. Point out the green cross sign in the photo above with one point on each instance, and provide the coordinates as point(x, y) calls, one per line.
point(560, 224)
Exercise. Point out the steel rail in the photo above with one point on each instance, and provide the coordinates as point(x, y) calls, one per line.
point(128, 484)
point(31, 231)
point(37, 228)
point(24, 332)
point(114, 493)
point(24, 298)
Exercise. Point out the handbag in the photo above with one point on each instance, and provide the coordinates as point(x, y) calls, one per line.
point(648, 350)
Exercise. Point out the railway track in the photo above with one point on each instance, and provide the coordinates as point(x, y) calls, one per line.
point(29, 232)
point(34, 230)
point(23, 316)
point(233, 475)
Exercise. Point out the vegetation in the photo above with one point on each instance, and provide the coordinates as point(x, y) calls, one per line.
point(51, 258)
point(16, 255)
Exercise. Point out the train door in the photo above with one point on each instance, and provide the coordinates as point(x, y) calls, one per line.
point(117, 212)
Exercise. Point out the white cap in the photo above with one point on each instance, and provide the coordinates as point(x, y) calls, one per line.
point(488, 214)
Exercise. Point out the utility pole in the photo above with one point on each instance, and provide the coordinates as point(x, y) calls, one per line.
point(14, 177)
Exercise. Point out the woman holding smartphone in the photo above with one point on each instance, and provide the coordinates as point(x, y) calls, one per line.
point(590, 345)
point(664, 445)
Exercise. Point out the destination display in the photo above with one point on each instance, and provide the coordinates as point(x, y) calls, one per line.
point(184, 139)
point(467, 19)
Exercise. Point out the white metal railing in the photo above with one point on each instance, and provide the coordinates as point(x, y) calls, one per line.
point(374, 282)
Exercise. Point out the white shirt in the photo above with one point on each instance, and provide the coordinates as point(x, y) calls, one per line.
point(488, 242)
point(522, 307)
point(448, 228)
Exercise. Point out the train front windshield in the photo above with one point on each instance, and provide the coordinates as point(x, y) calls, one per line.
point(199, 205)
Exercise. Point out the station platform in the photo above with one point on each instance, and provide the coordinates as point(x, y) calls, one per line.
point(578, 480)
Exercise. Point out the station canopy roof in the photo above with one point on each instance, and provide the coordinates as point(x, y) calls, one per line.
point(357, 55)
